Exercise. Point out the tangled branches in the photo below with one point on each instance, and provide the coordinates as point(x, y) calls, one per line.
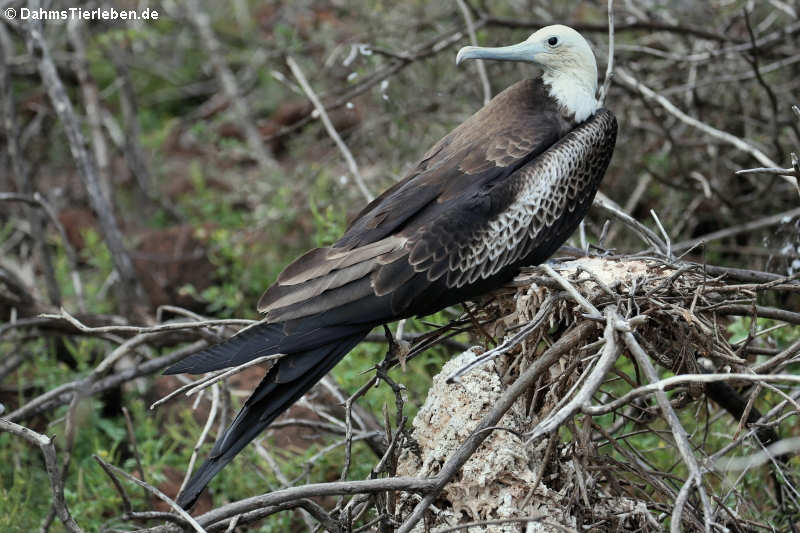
point(489, 447)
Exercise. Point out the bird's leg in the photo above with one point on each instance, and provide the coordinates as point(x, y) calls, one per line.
point(478, 325)
point(398, 350)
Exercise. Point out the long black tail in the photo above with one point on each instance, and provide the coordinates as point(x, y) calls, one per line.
point(310, 355)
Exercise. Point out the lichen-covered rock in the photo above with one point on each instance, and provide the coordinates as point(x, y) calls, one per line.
point(496, 481)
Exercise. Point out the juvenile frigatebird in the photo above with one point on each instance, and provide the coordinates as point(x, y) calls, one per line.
point(504, 189)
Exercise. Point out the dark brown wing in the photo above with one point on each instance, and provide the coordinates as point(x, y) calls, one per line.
point(458, 220)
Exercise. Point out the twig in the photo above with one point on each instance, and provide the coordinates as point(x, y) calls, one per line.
point(153, 490)
point(663, 234)
point(605, 204)
point(473, 39)
point(202, 24)
point(48, 449)
point(629, 81)
point(772, 220)
point(135, 446)
point(348, 156)
point(779, 359)
point(173, 326)
point(369, 486)
point(593, 381)
point(762, 311)
point(764, 170)
point(678, 431)
point(636, 25)
point(63, 393)
point(542, 315)
point(118, 50)
point(591, 310)
point(671, 382)
point(610, 66)
point(212, 415)
point(38, 200)
point(776, 449)
point(22, 176)
point(200, 384)
point(133, 296)
point(91, 103)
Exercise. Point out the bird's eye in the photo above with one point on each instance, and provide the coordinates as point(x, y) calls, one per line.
point(552, 41)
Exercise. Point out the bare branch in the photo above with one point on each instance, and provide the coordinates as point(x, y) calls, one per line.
point(154, 491)
point(200, 21)
point(348, 156)
point(473, 39)
point(48, 449)
point(610, 66)
point(133, 296)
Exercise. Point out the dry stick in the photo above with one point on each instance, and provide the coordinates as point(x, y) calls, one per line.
point(173, 326)
point(276, 469)
point(200, 20)
point(200, 384)
point(81, 386)
point(642, 25)
point(680, 503)
point(591, 310)
point(400, 60)
point(63, 393)
point(542, 315)
point(312, 508)
point(323, 115)
point(764, 312)
point(663, 234)
point(765, 222)
point(91, 102)
point(610, 66)
point(132, 294)
point(22, 178)
point(668, 383)
point(678, 432)
point(369, 486)
point(135, 446)
point(153, 490)
point(778, 359)
point(484, 79)
point(632, 83)
point(765, 455)
point(38, 200)
point(605, 204)
point(212, 415)
point(53, 472)
point(527, 379)
point(583, 398)
point(133, 151)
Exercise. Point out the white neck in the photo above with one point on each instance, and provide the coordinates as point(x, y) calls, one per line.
point(575, 93)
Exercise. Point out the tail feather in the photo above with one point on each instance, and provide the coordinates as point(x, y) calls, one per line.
point(273, 396)
point(257, 341)
point(242, 347)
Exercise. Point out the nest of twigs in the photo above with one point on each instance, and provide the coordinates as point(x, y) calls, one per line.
point(595, 437)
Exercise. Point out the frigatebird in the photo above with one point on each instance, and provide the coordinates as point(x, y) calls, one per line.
point(503, 190)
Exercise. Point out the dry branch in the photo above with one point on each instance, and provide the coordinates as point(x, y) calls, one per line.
point(132, 295)
point(48, 449)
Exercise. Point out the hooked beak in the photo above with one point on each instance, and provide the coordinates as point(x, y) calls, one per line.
point(524, 51)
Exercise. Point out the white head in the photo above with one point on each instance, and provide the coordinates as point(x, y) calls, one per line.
point(570, 68)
